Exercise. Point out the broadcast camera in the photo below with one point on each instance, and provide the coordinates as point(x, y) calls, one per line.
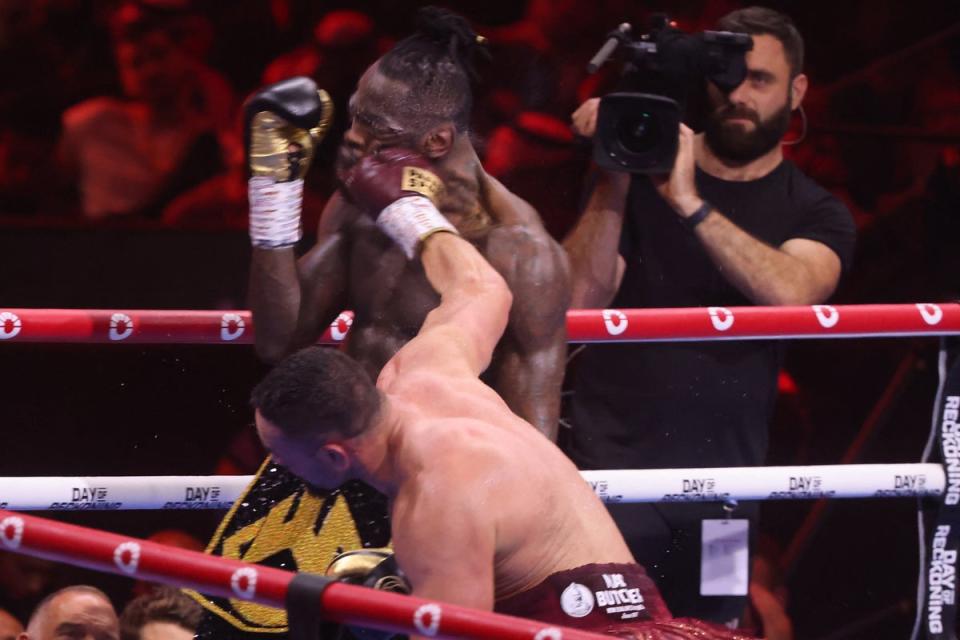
point(663, 84)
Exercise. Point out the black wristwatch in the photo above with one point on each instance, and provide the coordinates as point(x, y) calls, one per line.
point(691, 221)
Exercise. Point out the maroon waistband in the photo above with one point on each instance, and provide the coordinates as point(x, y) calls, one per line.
point(594, 596)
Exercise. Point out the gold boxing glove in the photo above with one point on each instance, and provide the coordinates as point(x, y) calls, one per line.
point(375, 568)
point(284, 123)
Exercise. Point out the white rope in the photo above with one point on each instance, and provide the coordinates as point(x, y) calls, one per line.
point(111, 493)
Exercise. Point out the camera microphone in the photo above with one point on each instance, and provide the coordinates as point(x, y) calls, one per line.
point(608, 47)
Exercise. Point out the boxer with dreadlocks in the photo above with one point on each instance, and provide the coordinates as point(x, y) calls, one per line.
point(416, 98)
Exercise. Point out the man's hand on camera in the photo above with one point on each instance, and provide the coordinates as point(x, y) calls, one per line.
point(583, 122)
point(679, 189)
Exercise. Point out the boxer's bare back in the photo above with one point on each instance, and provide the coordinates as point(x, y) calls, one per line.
point(477, 473)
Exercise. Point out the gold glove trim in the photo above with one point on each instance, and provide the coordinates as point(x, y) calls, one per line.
point(357, 563)
point(326, 117)
point(360, 563)
point(421, 181)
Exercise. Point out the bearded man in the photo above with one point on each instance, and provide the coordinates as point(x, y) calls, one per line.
point(733, 224)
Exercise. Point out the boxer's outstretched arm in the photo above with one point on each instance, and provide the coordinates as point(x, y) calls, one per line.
point(459, 335)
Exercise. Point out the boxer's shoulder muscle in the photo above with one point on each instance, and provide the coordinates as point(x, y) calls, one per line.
point(532, 262)
point(506, 207)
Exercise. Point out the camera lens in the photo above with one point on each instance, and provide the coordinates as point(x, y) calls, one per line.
point(638, 133)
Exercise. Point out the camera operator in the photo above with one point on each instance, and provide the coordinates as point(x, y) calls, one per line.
point(733, 224)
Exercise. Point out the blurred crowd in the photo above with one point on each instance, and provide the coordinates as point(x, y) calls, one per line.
point(120, 110)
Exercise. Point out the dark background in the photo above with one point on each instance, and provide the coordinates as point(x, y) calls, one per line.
point(883, 135)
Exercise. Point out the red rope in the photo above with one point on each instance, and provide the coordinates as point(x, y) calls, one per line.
point(213, 575)
point(583, 325)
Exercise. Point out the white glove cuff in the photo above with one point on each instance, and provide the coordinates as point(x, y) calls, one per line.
point(411, 220)
point(275, 212)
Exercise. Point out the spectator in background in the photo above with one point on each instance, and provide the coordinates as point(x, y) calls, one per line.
point(25, 580)
point(46, 63)
point(171, 538)
point(942, 226)
point(535, 156)
point(343, 46)
point(79, 611)
point(10, 627)
point(131, 155)
point(163, 614)
point(540, 61)
point(537, 76)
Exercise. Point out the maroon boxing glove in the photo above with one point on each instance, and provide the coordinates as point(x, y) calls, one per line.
point(397, 186)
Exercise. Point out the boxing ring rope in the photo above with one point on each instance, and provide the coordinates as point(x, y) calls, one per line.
point(213, 575)
point(583, 325)
point(112, 493)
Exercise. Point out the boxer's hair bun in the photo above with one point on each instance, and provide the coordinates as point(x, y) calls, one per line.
point(453, 33)
point(436, 63)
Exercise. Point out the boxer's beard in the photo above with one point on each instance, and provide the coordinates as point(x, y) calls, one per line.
point(731, 141)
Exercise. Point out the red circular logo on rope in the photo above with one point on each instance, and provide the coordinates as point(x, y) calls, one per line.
point(827, 316)
point(127, 556)
point(720, 317)
point(426, 619)
point(11, 531)
point(9, 325)
point(340, 326)
point(932, 314)
point(232, 326)
point(550, 633)
point(615, 321)
point(244, 582)
point(121, 326)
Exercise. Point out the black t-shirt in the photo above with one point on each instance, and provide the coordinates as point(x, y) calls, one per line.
point(693, 404)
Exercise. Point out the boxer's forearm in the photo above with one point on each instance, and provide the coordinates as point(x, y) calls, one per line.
point(474, 298)
point(274, 298)
point(454, 267)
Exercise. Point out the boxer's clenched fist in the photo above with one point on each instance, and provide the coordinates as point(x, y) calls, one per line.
point(399, 189)
point(283, 123)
